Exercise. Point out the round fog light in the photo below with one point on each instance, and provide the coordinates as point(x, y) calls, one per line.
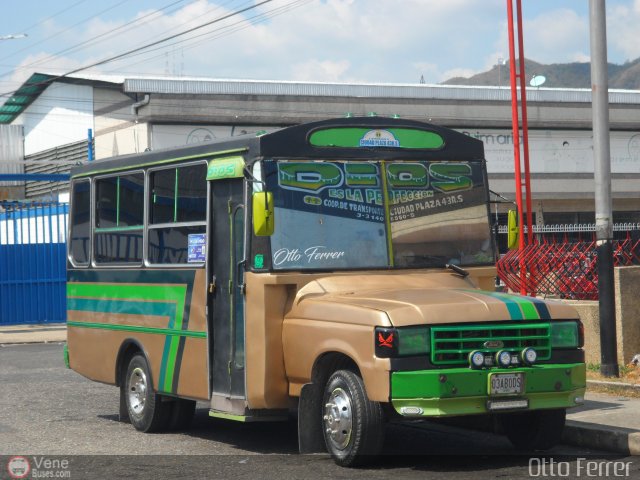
point(503, 358)
point(529, 356)
point(476, 359)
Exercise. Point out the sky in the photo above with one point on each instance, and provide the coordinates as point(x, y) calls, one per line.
point(372, 41)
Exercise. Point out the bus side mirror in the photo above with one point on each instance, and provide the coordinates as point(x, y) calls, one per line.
point(263, 225)
point(512, 230)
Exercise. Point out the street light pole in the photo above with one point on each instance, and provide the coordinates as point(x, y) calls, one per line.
point(602, 177)
point(13, 36)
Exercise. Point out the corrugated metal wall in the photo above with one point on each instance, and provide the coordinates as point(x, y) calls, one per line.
point(11, 151)
point(55, 160)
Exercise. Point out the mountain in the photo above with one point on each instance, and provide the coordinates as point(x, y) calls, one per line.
point(558, 75)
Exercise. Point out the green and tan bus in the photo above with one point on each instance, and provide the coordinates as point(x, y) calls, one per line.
point(341, 271)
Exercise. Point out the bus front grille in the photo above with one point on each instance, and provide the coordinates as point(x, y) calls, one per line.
point(451, 345)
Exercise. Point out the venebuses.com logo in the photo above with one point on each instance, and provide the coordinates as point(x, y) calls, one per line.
point(19, 466)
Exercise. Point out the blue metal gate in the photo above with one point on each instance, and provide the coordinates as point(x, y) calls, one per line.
point(33, 262)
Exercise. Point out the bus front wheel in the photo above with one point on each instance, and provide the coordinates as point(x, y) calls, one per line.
point(353, 425)
point(147, 412)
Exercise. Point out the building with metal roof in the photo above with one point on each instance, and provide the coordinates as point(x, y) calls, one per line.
point(131, 114)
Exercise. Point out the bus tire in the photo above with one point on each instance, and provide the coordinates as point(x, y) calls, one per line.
point(147, 412)
point(182, 412)
point(536, 430)
point(353, 425)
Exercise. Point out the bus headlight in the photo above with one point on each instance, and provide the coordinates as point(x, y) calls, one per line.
point(401, 342)
point(529, 356)
point(476, 359)
point(503, 358)
point(565, 334)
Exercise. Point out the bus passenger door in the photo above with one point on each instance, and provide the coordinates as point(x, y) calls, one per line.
point(226, 296)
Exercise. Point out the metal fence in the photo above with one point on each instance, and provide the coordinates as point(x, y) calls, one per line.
point(562, 261)
point(33, 262)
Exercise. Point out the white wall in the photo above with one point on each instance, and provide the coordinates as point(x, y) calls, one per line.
point(558, 151)
point(164, 136)
point(62, 114)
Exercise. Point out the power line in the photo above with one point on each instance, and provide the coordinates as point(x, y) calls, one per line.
point(138, 49)
point(26, 29)
point(171, 37)
point(108, 34)
point(219, 32)
point(60, 32)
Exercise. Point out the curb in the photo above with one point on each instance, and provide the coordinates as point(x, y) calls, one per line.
point(612, 439)
point(618, 385)
point(19, 336)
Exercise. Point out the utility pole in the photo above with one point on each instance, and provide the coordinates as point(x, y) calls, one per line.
point(602, 176)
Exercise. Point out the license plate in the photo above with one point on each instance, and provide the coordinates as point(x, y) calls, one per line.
point(506, 383)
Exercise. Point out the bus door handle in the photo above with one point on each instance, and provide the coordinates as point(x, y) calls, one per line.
point(212, 285)
point(241, 285)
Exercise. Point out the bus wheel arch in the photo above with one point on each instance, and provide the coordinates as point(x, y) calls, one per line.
point(330, 362)
point(128, 349)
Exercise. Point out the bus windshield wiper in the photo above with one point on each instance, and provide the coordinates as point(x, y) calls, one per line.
point(459, 270)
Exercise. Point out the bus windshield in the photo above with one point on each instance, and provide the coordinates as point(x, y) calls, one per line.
point(378, 214)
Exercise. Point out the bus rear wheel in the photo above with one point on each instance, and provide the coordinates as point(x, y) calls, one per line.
point(147, 412)
point(353, 425)
point(536, 430)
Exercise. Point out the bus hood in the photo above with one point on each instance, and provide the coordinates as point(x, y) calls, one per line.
point(412, 299)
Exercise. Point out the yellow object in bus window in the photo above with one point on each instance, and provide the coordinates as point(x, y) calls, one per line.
point(263, 221)
point(512, 229)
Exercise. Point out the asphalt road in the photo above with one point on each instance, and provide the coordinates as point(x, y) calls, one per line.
point(48, 412)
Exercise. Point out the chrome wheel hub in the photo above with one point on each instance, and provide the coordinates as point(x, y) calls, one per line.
point(338, 420)
point(137, 391)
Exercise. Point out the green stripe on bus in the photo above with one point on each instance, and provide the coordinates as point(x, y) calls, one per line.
point(136, 329)
point(119, 291)
point(164, 309)
point(529, 311)
point(520, 308)
point(528, 308)
point(137, 300)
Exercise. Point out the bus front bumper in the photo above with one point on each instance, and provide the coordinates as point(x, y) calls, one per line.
point(462, 391)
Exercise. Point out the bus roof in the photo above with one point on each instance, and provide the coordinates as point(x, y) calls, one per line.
point(348, 138)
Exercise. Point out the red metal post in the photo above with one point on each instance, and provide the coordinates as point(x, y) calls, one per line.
point(525, 123)
point(516, 142)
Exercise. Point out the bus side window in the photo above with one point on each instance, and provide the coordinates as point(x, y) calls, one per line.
point(79, 243)
point(177, 215)
point(119, 219)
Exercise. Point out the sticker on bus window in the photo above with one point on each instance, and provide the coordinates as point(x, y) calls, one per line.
point(197, 247)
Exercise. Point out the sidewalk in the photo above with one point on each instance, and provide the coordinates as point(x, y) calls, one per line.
point(38, 333)
point(604, 422)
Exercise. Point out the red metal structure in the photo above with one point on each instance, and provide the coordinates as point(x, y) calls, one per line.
point(517, 72)
point(559, 267)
